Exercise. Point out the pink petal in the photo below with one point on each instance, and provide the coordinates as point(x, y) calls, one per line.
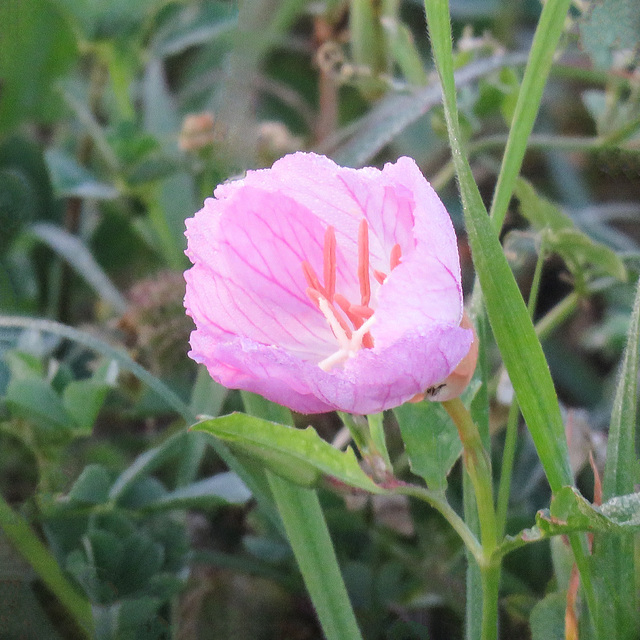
point(369, 383)
point(248, 277)
point(377, 380)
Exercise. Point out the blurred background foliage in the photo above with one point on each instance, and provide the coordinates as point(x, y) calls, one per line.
point(116, 119)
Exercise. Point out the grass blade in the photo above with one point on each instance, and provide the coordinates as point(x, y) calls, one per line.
point(309, 538)
point(545, 41)
point(614, 556)
point(512, 327)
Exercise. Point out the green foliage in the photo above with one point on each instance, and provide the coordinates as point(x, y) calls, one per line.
point(116, 120)
point(558, 234)
point(608, 27)
point(38, 46)
point(431, 441)
point(301, 456)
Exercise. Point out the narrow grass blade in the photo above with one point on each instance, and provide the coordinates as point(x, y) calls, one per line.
point(614, 556)
point(25, 541)
point(76, 253)
point(512, 327)
point(309, 538)
point(507, 312)
point(545, 41)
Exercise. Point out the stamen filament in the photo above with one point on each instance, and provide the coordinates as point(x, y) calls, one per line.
point(349, 350)
point(323, 304)
point(340, 330)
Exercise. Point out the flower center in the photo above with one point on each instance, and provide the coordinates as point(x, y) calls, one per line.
point(350, 323)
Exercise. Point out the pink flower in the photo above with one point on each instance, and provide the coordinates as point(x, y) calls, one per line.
point(322, 287)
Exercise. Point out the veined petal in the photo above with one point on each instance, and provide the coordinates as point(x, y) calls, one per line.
point(248, 277)
point(267, 321)
point(376, 380)
point(270, 371)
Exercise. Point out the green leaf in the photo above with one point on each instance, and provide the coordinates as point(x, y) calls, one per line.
point(199, 25)
point(578, 250)
point(614, 557)
point(431, 441)
point(223, 488)
point(619, 474)
point(404, 51)
point(83, 400)
point(72, 180)
point(92, 486)
point(547, 617)
point(207, 395)
point(570, 511)
point(545, 40)
point(609, 26)
point(562, 237)
point(35, 400)
point(298, 455)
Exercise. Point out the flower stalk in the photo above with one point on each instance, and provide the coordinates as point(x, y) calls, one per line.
point(478, 466)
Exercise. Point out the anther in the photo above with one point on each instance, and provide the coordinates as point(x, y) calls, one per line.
point(363, 263)
point(329, 262)
point(311, 277)
point(394, 257)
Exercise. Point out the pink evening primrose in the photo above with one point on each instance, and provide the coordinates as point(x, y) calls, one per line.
point(327, 288)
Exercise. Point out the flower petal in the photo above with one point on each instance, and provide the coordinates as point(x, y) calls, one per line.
point(241, 363)
point(369, 383)
point(248, 278)
point(376, 380)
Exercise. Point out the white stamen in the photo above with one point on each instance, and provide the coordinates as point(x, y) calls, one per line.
point(351, 347)
point(337, 329)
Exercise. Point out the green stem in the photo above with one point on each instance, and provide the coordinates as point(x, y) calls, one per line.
point(557, 315)
point(25, 541)
point(490, 589)
point(440, 504)
point(369, 437)
point(307, 532)
point(478, 466)
point(506, 470)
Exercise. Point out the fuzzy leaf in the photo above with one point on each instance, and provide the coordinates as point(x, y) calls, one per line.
point(610, 26)
point(570, 511)
point(561, 236)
